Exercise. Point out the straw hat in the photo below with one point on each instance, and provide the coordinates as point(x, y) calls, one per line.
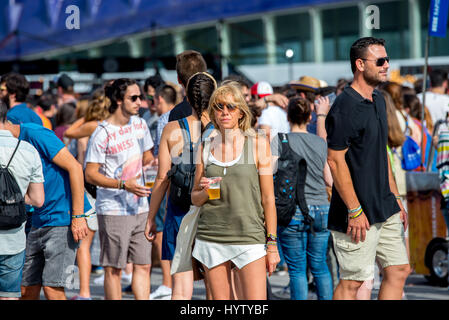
point(306, 83)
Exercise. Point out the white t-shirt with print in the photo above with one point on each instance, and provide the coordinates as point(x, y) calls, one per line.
point(120, 151)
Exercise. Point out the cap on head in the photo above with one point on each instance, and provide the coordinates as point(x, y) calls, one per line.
point(261, 89)
point(306, 83)
point(65, 82)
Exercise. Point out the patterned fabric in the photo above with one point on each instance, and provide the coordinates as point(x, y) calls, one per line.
point(443, 163)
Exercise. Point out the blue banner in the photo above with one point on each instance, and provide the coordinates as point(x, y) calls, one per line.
point(438, 18)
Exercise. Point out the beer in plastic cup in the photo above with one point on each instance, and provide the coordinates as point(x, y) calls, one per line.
point(214, 188)
point(150, 174)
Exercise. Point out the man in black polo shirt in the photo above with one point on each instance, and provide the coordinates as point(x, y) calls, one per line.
point(366, 217)
point(188, 63)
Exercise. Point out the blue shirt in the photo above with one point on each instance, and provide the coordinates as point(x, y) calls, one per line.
point(56, 211)
point(22, 114)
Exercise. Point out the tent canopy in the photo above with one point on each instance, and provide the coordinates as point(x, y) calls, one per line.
point(29, 27)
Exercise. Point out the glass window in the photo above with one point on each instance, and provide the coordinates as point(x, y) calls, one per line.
point(116, 49)
point(394, 28)
point(247, 43)
point(158, 46)
point(340, 30)
point(293, 32)
point(202, 40)
point(437, 46)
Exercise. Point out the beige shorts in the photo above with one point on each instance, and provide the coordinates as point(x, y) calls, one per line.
point(122, 240)
point(384, 242)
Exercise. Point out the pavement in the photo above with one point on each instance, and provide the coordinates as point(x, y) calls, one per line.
point(417, 288)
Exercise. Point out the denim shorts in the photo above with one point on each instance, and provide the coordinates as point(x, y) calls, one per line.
point(11, 267)
point(50, 257)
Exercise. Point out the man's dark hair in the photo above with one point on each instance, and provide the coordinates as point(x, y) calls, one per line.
point(437, 77)
point(154, 81)
point(3, 111)
point(116, 91)
point(46, 100)
point(167, 92)
point(239, 79)
point(16, 84)
point(359, 47)
point(188, 63)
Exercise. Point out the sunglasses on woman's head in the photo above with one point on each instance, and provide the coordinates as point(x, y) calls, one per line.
point(380, 61)
point(135, 97)
point(221, 106)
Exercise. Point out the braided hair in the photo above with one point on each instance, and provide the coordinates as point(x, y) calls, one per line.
point(199, 90)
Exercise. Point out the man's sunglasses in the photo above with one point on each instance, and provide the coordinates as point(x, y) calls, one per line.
point(220, 107)
point(380, 61)
point(135, 97)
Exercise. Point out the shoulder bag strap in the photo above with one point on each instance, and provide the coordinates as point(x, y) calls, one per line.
point(12, 156)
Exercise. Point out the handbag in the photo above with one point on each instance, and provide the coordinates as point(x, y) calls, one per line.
point(182, 258)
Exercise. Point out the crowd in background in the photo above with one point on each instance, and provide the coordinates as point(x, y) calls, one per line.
point(297, 107)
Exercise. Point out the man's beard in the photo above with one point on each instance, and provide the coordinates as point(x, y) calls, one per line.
point(371, 80)
point(5, 100)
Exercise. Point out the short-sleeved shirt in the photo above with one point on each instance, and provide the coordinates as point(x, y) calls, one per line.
point(119, 150)
point(360, 125)
point(181, 110)
point(57, 208)
point(314, 150)
point(161, 123)
point(22, 114)
point(26, 168)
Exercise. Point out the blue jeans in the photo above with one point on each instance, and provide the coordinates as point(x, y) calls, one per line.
point(301, 249)
point(11, 267)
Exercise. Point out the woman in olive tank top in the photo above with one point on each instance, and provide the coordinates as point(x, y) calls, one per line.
point(232, 230)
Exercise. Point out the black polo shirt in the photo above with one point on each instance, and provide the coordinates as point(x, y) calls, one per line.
point(181, 110)
point(361, 126)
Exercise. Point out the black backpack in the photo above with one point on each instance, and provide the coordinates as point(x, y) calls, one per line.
point(12, 202)
point(289, 184)
point(181, 175)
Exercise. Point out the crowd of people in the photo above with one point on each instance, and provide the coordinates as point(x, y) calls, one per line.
point(130, 162)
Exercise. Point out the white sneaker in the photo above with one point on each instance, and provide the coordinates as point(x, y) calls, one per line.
point(161, 293)
point(127, 277)
point(99, 280)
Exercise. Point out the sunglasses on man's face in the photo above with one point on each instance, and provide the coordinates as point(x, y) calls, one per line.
point(221, 107)
point(135, 97)
point(380, 61)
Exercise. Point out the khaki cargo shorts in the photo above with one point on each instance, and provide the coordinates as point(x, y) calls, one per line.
point(384, 242)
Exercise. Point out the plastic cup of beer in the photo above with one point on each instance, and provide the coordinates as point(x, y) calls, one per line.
point(150, 176)
point(214, 188)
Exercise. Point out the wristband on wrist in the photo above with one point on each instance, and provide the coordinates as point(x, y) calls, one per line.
point(321, 115)
point(355, 210)
point(356, 215)
point(79, 215)
point(398, 197)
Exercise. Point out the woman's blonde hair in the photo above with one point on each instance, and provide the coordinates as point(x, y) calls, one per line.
point(221, 94)
point(98, 107)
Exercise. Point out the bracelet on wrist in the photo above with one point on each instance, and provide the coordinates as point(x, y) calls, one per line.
point(76, 216)
point(355, 210)
point(398, 197)
point(358, 214)
point(321, 115)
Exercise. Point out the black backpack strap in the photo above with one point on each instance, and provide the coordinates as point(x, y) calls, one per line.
point(12, 156)
point(300, 194)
